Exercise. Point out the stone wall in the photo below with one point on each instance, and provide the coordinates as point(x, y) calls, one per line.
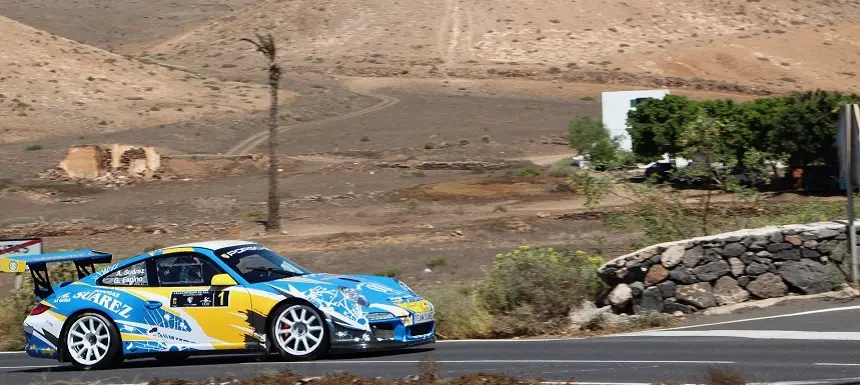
point(695, 274)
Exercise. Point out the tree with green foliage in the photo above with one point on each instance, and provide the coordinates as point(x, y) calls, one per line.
point(805, 127)
point(801, 126)
point(656, 125)
point(591, 139)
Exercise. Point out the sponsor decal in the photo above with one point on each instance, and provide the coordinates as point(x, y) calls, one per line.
point(417, 306)
point(85, 254)
point(241, 250)
point(13, 265)
point(107, 300)
point(200, 299)
point(106, 270)
point(65, 298)
point(134, 275)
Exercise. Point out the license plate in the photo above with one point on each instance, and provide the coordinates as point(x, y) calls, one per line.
point(423, 317)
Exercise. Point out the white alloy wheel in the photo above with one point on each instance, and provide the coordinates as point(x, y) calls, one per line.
point(299, 331)
point(88, 340)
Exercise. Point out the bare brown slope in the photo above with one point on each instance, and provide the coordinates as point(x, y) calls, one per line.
point(51, 86)
point(723, 40)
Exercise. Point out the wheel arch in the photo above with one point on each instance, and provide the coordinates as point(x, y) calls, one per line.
point(290, 301)
point(61, 344)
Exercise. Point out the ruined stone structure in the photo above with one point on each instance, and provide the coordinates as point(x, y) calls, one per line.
point(94, 161)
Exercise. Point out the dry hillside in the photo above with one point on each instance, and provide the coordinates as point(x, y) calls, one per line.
point(52, 86)
point(777, 44)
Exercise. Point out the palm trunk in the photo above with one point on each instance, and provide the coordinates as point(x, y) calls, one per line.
point(274, 223)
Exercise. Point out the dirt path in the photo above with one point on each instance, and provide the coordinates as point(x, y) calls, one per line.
point(251, 143)
point(546, 160)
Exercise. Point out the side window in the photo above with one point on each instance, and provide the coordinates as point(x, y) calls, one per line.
point(185, 270)
point(131, 275)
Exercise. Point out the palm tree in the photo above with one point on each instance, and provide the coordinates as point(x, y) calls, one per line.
point(266, 45)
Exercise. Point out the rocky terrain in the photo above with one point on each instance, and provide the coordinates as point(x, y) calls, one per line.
point(53, 86)
point(781, 45)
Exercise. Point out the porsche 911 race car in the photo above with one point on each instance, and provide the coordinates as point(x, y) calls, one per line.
point(212, 297)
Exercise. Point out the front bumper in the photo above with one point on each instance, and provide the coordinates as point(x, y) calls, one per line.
point(378, 345)
point(391, 334)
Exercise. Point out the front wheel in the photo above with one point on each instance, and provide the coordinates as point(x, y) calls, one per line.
point(92, 342)
point(299, 332)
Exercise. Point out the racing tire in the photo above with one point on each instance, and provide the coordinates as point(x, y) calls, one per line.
point(91, 341)
point(299, 332)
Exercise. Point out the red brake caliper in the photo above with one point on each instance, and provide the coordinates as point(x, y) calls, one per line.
point(286, 328)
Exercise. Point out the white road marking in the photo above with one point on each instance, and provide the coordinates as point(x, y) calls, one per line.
point(597, 383)
point(834, 364)
point(810, 382)
point(857, 307)
point(753, 334)
point(516, 340)
point(28, 367)
point(493, 362)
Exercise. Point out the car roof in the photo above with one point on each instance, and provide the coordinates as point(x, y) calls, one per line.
point(214, 245)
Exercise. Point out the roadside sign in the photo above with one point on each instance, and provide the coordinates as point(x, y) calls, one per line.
point(848, 139)
point(20, 247)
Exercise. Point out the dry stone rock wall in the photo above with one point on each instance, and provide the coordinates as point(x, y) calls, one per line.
point(695, 274)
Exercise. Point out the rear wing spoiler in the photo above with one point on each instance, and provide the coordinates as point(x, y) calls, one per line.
point(84, 260)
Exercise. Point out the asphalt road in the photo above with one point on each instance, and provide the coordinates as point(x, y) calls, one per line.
point(811, 342)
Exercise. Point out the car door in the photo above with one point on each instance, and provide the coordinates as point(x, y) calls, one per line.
point(186, 311)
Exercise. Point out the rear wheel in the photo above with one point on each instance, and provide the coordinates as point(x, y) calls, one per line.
point(92, 342)
point(299, 332)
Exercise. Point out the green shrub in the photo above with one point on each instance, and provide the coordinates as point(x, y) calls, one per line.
point(34, 147)
point(531, 286)
point(562, 168)
point(389, 273)
point(460, 315)
point(436, 262)
point(529, 171)
point(17, 305)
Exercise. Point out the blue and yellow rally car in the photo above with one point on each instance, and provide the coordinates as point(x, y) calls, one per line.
point(212, 297)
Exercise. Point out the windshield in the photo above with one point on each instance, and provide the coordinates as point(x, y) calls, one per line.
point(259, 264)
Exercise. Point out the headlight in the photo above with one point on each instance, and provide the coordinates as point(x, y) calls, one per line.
point(405, 286)
point(353, 295)
point(379, 316)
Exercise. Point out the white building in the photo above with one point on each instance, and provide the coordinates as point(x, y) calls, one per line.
point(617, 104)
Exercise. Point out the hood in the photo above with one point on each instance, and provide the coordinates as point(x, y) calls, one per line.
point(372, 294)
point(373, 288)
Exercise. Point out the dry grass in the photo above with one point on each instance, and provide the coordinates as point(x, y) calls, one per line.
point(714, 376)
point(428, 371)
point(723, 377)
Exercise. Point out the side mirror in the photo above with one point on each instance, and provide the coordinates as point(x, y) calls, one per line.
point(223, 280)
